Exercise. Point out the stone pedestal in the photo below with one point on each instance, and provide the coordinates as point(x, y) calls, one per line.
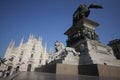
point(83, 38)
point(71, 59)
point(61, 69)
point(66, 69)
point(104, 72)
point(94, 52)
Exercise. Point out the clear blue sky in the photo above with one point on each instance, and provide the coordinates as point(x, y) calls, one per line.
point(51, 18)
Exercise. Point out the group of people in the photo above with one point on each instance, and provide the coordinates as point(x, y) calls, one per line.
point(8, 72)
point(4, 73)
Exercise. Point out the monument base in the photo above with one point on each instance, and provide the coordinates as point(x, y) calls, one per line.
point(104, 72)
point(66, 69)
point(59, 69)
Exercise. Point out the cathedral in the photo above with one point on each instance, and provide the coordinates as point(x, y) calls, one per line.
point(27, 56)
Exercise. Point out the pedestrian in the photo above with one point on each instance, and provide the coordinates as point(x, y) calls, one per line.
point(1, 73)
point(7, 73)
point(4, 72)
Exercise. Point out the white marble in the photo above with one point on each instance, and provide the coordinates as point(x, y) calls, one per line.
point(32, 52)
point(64, 55)
point(97, 53)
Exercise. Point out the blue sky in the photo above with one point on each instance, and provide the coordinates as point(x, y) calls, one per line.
point(51, 18)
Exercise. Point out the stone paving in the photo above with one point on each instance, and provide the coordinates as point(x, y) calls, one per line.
point(50, 76)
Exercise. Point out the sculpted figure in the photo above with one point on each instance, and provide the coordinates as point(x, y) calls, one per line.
point(61, 52)
point(68, 49)
point(58, 46)
point(84, 11)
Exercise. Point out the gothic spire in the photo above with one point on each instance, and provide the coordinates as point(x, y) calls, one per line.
point(31, 36)
point(21, 43)
point(11, 44)
point(40, 38)
point(45, 47)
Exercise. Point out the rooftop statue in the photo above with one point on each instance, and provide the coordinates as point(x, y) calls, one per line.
point(84, 11)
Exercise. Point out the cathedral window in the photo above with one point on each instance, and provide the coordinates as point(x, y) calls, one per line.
point(41, 56)
point(31, 55)
point(40, 61)
point(33, 48)
point(20, 59)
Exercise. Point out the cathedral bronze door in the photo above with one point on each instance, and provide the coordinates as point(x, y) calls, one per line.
point(29, 67)
point(17, 68)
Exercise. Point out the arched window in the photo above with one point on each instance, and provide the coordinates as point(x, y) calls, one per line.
point(33, 48)
point(40, 61)
point(20, 59)
point(31, 55)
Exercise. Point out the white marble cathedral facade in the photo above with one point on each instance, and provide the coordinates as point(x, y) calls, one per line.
point(27, 56)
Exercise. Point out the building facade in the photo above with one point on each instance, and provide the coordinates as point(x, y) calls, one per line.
point(115, 44)
point(27, 56)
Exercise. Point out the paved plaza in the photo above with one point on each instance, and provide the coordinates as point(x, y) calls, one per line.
point(50, 76)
